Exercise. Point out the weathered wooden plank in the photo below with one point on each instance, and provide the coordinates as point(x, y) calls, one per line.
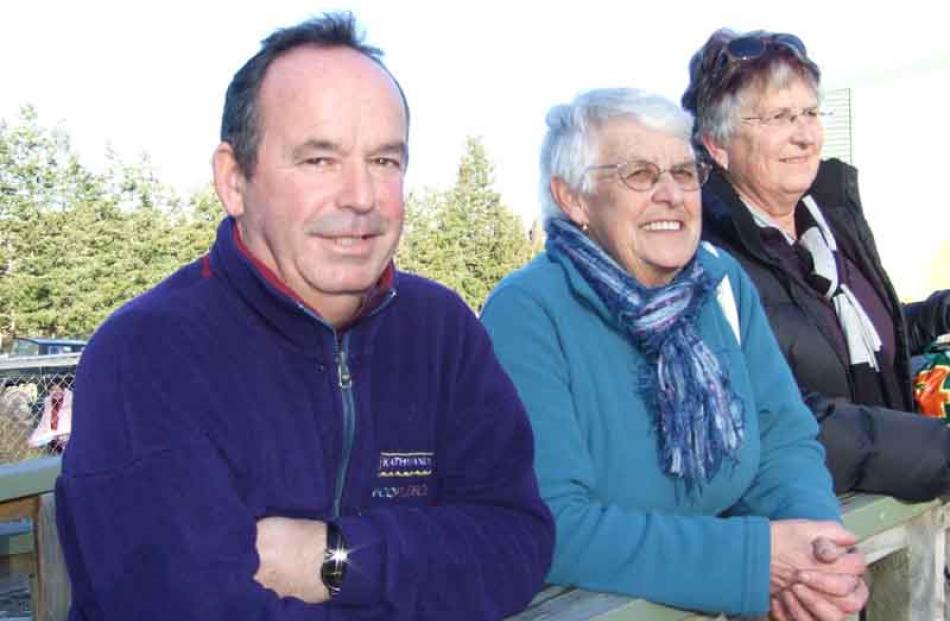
point(16, 541)
point(577, 605)
point(883, 524)
point(926, 549)
point(549, 592)
point(18, 509)
point(28, 478)
point(21, 546)
point(906, 576)
point(869, 514)
point(54, 586)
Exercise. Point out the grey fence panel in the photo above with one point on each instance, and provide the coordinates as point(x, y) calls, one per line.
point(35, 405)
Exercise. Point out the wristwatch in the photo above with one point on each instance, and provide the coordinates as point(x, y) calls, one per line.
point(333, 568)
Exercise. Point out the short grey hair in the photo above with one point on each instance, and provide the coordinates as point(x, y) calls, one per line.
point(568, 145)
point(719, 119)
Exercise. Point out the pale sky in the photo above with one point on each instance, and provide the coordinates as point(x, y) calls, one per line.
point(150, 77)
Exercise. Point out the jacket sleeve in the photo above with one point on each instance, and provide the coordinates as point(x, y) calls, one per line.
point(793, 481)
point(149, 514)
point(482, 552)
point(154, 525)
point(927, 320)
point(602, 546)
point(883, 451)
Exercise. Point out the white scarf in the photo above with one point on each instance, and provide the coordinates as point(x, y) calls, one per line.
point(860, 335)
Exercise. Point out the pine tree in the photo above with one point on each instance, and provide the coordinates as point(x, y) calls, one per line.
point(75, 245)
point(464, 237)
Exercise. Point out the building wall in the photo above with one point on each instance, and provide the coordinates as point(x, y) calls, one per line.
point(899, 140)
point(836, 105)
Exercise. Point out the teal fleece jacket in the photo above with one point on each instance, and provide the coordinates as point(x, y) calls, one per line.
point(622, 524)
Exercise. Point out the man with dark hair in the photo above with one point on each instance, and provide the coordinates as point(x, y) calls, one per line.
point(289, 428)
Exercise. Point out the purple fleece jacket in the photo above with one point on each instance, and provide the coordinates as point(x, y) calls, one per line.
point(217, 399)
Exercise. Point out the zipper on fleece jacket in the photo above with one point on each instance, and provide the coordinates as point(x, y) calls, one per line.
point(349, 419)
point(345, 383)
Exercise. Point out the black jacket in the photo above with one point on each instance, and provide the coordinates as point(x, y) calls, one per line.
point(869, 448)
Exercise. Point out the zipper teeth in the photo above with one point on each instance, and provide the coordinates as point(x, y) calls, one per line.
point(345, 383)
point(349, 413)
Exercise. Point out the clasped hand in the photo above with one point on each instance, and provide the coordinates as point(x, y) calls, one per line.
point(816, 574)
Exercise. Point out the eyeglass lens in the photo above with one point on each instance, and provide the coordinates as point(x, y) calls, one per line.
point(746, 48)
point(642, 176)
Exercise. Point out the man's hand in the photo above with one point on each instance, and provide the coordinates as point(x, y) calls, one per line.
point(291, 552)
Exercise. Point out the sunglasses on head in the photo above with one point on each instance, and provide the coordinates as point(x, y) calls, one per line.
point(750, 47)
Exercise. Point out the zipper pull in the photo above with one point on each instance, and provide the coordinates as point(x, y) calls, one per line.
point(346, 380)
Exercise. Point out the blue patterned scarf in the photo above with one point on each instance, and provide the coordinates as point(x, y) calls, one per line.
point(699, 419)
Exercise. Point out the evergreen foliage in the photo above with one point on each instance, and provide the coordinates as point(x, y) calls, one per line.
point(74, 244)
point(464, 237)
point(77, 244)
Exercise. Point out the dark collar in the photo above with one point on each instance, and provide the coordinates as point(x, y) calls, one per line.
point(725, 217)
point(276, 303)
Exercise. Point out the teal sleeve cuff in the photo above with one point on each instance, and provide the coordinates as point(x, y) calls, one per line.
point(759, 551)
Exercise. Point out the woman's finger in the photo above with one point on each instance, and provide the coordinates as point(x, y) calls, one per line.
point(794, 607)
point(818, 605)
point(837, 585)
point(777, 611)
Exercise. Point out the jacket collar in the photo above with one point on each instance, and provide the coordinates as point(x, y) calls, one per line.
point(275, 302)
point(835, 186)
point(727, 217)
point(580, 287)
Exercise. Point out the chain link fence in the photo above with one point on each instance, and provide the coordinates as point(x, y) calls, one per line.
point(35, 405)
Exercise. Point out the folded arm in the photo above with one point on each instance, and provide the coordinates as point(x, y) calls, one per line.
point(883, 451)
point(687, 561)
point(793, 481)
point(926, 320)
point(155, 525)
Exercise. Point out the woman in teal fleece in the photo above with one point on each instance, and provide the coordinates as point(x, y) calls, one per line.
point(672, 444)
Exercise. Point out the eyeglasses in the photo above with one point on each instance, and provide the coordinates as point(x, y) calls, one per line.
point(750, 47)
point(642, 176)
point(787, 117)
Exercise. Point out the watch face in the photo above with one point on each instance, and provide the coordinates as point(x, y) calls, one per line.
point(333, 569)
point(332, 575)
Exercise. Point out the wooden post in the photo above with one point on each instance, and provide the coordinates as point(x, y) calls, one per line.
point(906, 577)
point(54, 596)
point(15, 510)
point(21, 486)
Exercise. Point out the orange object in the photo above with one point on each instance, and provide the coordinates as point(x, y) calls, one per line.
point(932, 385)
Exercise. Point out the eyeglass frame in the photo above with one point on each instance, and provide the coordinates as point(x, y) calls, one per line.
point(702, 168)
point(811, 114)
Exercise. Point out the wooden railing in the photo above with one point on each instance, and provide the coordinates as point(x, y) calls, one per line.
point(26, 493)
point(905, 544)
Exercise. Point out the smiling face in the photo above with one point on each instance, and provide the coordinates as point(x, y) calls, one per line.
point(651, 233)
point(774, 165)
point(323, 208)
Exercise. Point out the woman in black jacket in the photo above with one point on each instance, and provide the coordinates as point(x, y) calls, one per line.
point(796, 225)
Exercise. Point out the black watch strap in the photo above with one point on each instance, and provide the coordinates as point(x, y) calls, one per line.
point(333, 568)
